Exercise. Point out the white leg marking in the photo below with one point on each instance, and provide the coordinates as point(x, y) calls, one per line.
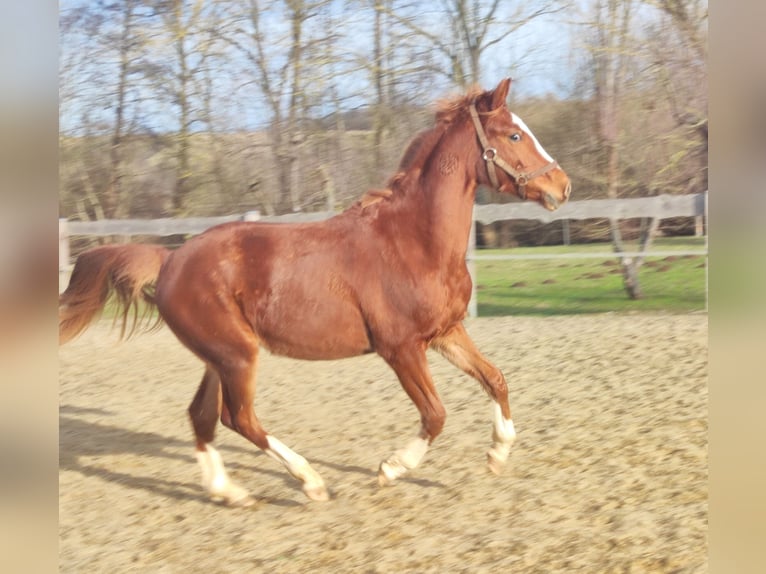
point(313, 485)
point(503, 437)
point(519, 122)
point(217, 482)
point(402, 460)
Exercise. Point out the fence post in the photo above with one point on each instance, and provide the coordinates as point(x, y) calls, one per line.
point(473, 306)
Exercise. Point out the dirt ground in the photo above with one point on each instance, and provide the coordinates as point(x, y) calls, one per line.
point(609, 472)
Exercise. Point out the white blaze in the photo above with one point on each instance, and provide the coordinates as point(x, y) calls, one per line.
point(519, 122)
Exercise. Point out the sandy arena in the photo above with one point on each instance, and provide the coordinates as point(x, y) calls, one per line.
point(608, 474)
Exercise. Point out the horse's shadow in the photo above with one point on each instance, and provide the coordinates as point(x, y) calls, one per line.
point(345, 468)
point(81, 440)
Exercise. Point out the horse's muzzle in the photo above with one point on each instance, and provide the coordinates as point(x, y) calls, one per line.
point(551, 203)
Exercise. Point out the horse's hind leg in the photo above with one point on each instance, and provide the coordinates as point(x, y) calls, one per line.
point(229, 347)
point(458, 348)
point(204, 412)
point(238, 393)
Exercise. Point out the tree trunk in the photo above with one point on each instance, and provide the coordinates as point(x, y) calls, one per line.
point(112, 197)
point(613, 35)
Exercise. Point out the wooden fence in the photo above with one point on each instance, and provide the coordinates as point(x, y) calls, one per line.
point(658, 207)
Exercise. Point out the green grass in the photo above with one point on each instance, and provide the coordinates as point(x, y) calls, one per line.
point(574, 286)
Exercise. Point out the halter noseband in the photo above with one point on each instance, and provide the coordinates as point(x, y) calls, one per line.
point(490, 156)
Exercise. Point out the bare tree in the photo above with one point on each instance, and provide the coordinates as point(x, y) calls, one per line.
point(113, 31)
point(175, 63)
point(127, 40)
point(473, 27)
point(638, 84)
point(379, 78)
point(279, 77)
point(678, 53)
point(610, 55)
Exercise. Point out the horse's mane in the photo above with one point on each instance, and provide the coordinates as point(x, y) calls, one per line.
point(448, 109)
point(421, 146)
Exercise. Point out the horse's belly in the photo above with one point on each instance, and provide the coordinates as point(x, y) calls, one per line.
point(322, 332)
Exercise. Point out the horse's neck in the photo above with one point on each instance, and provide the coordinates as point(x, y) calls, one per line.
point(446, 199)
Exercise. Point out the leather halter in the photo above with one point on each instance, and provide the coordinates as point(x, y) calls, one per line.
point(490, 156)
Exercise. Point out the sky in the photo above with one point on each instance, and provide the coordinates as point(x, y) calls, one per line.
point(542, 49)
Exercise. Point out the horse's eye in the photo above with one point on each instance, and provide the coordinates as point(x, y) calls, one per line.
point(516, 137)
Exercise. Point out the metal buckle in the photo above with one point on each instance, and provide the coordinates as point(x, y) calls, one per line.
point(489, 154)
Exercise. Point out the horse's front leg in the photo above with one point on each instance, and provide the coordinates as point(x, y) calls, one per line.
point(458, 348)
point(411, 366)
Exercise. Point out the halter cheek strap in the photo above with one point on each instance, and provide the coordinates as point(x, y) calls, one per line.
point(490, 156)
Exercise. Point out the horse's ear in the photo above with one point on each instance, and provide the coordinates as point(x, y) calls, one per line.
point(500, 93)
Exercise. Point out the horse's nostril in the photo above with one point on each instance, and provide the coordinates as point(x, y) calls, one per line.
point(550, 202)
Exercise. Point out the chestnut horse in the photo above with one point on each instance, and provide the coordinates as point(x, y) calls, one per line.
point(388, 275)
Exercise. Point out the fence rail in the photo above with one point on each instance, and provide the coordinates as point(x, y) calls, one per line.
point(659, 207)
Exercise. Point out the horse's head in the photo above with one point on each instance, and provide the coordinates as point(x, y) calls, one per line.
point(512, 159)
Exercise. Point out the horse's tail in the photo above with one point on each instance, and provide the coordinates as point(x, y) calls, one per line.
point(128, 271)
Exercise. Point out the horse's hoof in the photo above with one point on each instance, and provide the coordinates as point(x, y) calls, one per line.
point(240, 502)
point(237, 500)
point(386, 474)
point(233, 496)
point(494, 464)
point(317, 493)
